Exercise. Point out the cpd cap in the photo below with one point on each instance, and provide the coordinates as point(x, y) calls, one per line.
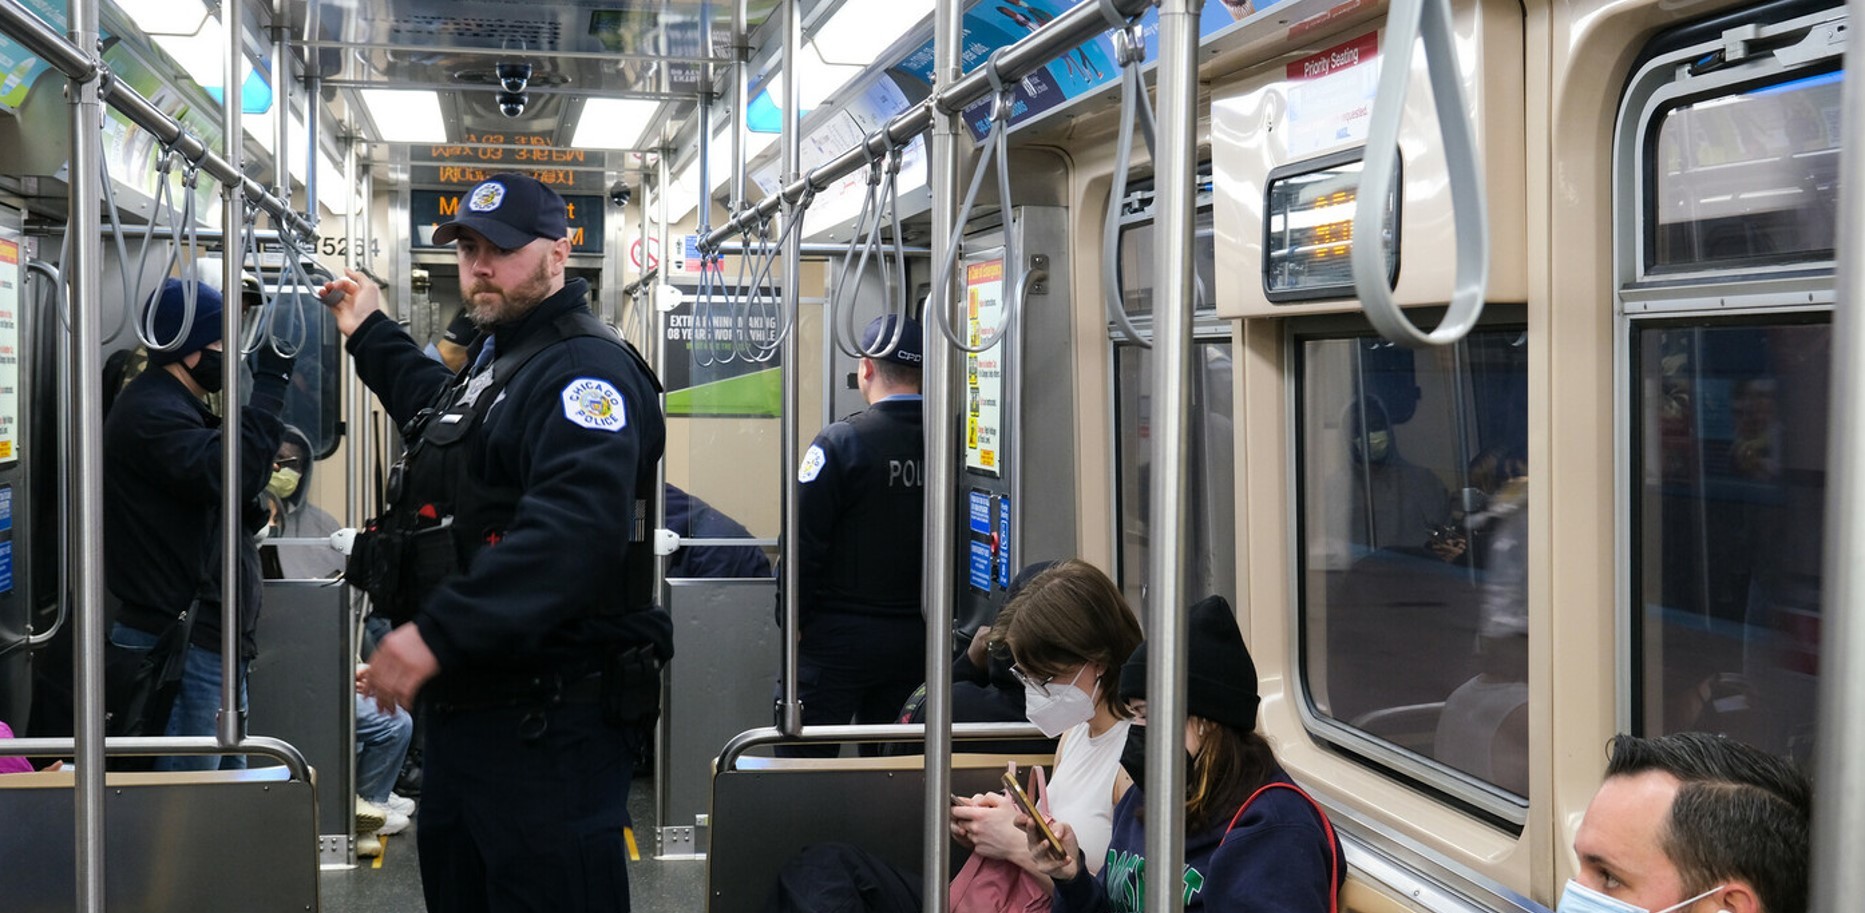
point(510, 210)
point(1220, 677)
point(880, 332)
point(168, 305)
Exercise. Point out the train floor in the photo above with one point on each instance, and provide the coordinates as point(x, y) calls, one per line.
point(391, 883)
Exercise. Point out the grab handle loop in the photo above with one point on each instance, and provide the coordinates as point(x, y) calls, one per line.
point(1407, 21)
point(997, 147)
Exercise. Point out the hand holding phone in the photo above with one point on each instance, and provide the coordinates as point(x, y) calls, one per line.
point(1029, 808)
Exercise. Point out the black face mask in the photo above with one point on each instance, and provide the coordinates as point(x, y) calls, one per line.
point(1133, 756)
point(206, 372)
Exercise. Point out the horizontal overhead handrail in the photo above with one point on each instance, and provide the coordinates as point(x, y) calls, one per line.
point(47, 44)
point(1014, 61)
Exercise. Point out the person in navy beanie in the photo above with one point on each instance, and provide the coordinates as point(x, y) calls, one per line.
point(163, 478)
point(1254, 841)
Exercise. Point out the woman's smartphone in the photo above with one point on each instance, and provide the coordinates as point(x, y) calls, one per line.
point(1029, 808)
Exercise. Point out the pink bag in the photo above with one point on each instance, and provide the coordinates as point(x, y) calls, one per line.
point(987, 885)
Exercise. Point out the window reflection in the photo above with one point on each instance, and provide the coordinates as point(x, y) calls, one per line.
point(1211, 552)
point(1751, 177)
point(1414, 496)
point(1730, 512)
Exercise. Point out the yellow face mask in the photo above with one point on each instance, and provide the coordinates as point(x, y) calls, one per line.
point(283, 483)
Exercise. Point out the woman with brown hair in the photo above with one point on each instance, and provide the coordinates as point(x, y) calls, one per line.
point(1253, 840)
point(1068, 634)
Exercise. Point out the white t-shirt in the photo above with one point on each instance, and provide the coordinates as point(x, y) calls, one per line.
point(1082, 791)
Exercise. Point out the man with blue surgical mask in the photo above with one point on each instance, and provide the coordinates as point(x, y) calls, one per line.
point(1693, 823)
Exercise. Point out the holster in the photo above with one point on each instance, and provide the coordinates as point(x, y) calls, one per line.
point(398, 567)
point(631, 687)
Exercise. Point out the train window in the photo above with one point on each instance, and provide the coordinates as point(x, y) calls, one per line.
point(1413, 496)
point(1135, 260)
point(313, 403)
point(1729, 506)
point(1747, 178)
point(1212, 548)
point(1731, 150)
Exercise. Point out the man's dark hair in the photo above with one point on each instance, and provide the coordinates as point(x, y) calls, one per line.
point(1741, 813)
point(895, 374)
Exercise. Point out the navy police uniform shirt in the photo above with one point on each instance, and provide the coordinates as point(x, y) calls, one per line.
point(578, 430)
point(862, 513)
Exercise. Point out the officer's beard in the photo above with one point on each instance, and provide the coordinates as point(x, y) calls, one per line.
point(489, 306)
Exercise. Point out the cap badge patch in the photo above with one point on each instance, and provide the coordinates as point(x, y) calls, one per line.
point(813, 461)
point(486, 197)
point(594, 404)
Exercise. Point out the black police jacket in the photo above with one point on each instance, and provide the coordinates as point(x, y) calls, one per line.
point(861, 513)
point(537, 598)
point(162, 474)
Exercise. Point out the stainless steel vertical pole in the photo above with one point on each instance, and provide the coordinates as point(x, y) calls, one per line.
point(741, 95)
point(357, 419)
point(657, 350)
point(1838, 834)
point(229, 726)
point(313, 90)
point(281, 102)
point(352, 198)
point(82, 272)
point(641, 237)
point(663, 184)
point(366, 232)
point(790, 711)
point(1176, 174)
point(941, 473)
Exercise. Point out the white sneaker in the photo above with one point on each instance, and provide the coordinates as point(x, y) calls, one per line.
point(369, 816)
point(368, 846)
point(403, 804)
point(395, 822)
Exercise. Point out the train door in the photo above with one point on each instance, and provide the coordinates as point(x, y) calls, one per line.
point(1727, 168)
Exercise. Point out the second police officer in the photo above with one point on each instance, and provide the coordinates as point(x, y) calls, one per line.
point(861, 647)
point(512, 558)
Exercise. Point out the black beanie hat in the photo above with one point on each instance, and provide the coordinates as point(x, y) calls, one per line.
point(1220, 677)
point(169, 306)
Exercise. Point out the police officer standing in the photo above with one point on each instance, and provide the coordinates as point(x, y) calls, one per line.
point(862, 642)
point(527, 637)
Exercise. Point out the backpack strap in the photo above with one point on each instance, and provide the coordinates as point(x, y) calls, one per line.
point(1326, 826)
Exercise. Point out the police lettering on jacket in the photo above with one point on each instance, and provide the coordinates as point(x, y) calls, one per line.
point(861, 512)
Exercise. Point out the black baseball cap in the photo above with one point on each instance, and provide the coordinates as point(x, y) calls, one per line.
point(510, 210)
point(879, 333)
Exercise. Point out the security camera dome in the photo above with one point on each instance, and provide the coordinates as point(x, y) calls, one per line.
point(512, 104)
point(513, 77)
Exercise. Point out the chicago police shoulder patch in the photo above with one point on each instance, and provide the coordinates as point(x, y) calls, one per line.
point(595, 404)
point(812, 464)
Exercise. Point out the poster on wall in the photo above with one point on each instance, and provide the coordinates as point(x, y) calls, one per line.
point(984, 371)
point(995, 24)
point(19, 69)
point(10, 276)
point(722, 358)
point(1331, 96)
